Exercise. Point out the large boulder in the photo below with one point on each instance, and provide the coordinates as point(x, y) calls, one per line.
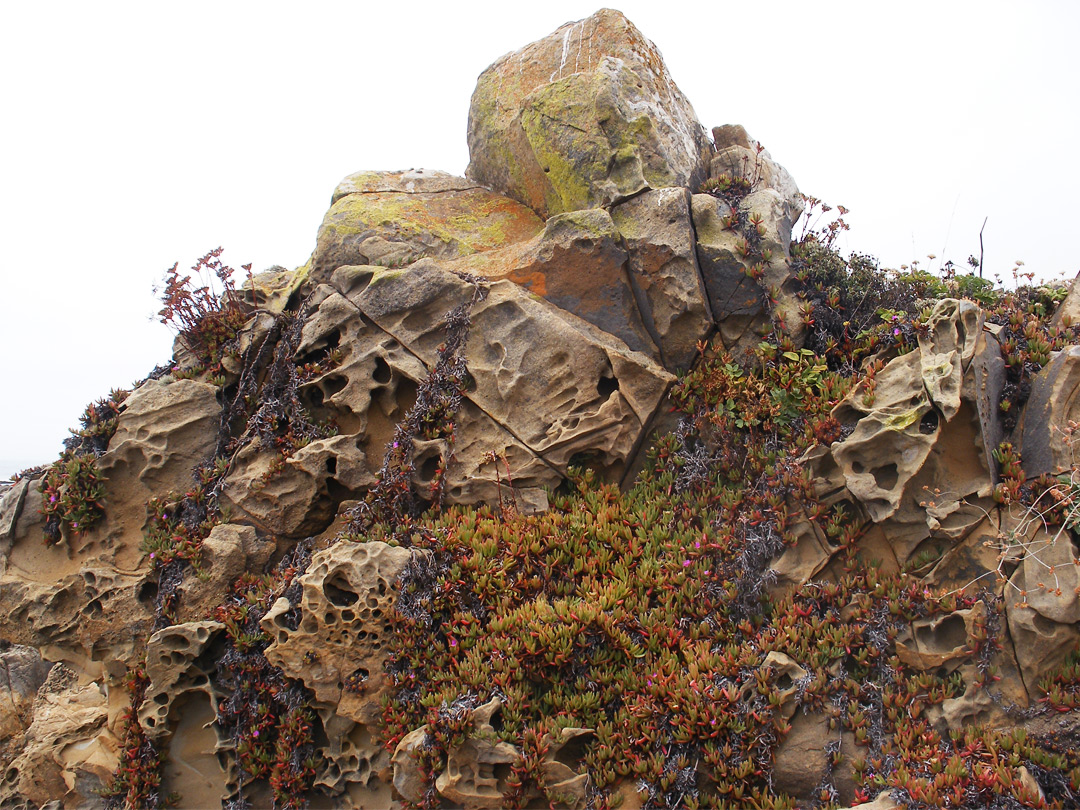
point(586, 117)
point(395, 218)
point(561, 387)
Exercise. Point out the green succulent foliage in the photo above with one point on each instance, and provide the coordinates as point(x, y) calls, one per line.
point(72, 493)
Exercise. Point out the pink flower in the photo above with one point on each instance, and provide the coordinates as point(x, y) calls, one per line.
point(453, 642)
point(686, 563)
point(697, 544)
point(896, 331)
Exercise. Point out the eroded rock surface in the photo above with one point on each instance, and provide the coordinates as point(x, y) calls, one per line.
point(395, 218)
point(585, 117)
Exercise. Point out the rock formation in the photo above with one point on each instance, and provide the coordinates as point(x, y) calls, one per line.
point(526, 489)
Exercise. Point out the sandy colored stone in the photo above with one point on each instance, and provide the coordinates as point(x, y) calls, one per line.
point(585, 117)
point(917, 456)
point(69, 755)
point(191, 766)
point(372, 389)
point(657, 228)
point(785, 675)
point(166, 428)
point(883, 801)
point(1046, 443)
point(579, 264)
point(559, 385)
point(1044, 624)
point(21, 674)
point(801, 758)
point(348, 593)
point(83, 618)
point(274, 288)
point(174, 668)
point(738, 155)
point(476, 770)
point(395, 218)
point(227, 552)
point(940, 643)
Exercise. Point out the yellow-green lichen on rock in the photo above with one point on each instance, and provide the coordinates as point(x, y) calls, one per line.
point(585, 117)
point(395, 218)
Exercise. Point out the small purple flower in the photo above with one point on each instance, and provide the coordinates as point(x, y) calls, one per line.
point(697, 544)
point(151, 555)
point(896, 331)
point(686, 563)
point(453, 642)
point(52, 499)
point(255, 733)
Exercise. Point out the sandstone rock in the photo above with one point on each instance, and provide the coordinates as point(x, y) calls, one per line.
point(982, 558)
point(1068, 311)
point(395, 218)
point(740, 303)
point(1046, 444)
point(11, 505)
point(174, 668)
point(275, 288)
point(334, 641)
point(786, 675)
point(476, 770)
point(407, 778)
point(167, 427)
point(883, 801)
point(295, 496)
point(740, 156)
point(1042, 606)
point(227, 552)
point(585, 117)
point(917, 456)
point(984, 380)
point(11, 502)
point(578, 263)
point(813, 549)
point(83, 618)
point(803, 758)
point(372, 388)
point(68, 753)
point(559, 385)
point(942, 643)
point(250, 341)
point(191, 766)
point(22, 672)
point(657, 229)
point(344, 613)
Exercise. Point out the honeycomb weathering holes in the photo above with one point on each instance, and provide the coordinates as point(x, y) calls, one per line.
point(382, 372)
point(339, 592)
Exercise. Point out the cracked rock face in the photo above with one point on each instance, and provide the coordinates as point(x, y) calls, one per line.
point(586, 117)
point(395, 218)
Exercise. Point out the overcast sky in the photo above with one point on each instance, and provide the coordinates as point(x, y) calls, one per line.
point(141, 134)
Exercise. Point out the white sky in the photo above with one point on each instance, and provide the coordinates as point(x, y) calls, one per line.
point(136, 135)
